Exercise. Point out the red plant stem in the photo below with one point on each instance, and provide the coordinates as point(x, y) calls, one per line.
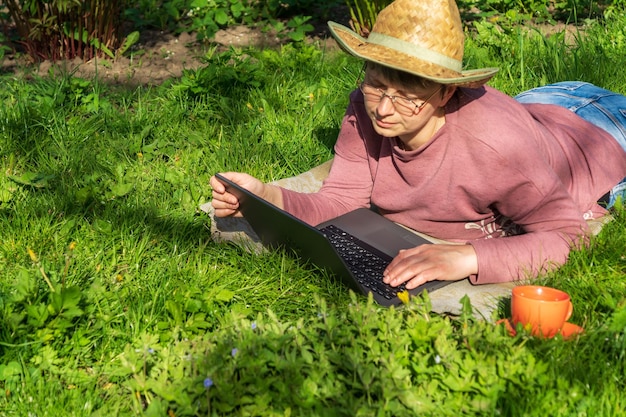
point(51, 31)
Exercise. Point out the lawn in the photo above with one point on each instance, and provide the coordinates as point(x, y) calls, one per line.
point(115, 301)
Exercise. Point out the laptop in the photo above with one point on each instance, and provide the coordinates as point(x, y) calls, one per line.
point(354, 248)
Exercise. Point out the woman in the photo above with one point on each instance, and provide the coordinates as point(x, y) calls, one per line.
point(433, 148)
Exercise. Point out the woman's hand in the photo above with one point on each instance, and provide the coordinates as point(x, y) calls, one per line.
point(226, 204)
point(425, 263)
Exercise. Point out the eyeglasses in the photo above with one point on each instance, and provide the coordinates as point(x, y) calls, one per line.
point(403, 105)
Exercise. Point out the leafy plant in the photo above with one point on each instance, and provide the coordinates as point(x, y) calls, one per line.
point(61, 29)
point(539, 11)
point(42, 313)
point(159, 14)
point(363, 14)
point(224, 72)
point(4, 48)
point(295, 29)
point(208, 16)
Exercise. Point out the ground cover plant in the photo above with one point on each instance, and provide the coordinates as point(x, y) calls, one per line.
point(114, 300)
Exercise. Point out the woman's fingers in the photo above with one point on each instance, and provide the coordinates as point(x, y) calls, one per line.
point(424, 263)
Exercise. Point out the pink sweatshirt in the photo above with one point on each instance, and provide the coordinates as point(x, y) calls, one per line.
point(532, 173)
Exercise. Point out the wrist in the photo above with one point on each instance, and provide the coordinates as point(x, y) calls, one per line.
point(273, 194)
point(470, 258)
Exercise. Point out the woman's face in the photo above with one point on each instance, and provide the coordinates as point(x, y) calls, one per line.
point(386, 104)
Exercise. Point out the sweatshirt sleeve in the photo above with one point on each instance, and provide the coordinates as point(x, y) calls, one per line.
point(349, 183)
point(543, 247)
point(533, 198)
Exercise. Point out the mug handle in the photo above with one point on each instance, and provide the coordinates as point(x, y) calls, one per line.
point(570, 310)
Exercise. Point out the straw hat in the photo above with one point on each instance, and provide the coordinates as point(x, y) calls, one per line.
point(421, 37)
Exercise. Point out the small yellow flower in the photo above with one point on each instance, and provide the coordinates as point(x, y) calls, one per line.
point(33, 256)
point(139, 155)
point(248, 105)
point(119, 278)
point(72, 246)
point(404, 296)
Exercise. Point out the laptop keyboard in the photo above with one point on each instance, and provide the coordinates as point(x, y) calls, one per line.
point(366, 265)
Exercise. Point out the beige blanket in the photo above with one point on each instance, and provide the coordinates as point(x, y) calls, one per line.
point(485, 299)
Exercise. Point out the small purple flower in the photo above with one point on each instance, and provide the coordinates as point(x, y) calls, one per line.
point(234, 352)
point(208, 383)
point(253, 325)
point(150, 351)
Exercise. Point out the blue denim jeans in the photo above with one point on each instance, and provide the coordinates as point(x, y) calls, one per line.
point(598, 106)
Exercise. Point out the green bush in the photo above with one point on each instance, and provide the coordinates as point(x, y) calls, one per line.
point(208, 16)
point(158, 14)
point(288, 18)
point(539, 10)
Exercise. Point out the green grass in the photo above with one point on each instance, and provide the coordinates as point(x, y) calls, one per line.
point(115, 301)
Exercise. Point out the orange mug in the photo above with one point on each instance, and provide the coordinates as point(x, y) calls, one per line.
point(542, 310)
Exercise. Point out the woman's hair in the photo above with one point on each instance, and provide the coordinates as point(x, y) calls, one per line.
point(404, 79)
point(401, 78)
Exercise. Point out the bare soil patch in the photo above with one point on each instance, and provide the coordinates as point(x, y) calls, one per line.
point(157, 56)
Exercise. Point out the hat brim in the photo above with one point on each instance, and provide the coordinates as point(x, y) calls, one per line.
point(359, 47)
